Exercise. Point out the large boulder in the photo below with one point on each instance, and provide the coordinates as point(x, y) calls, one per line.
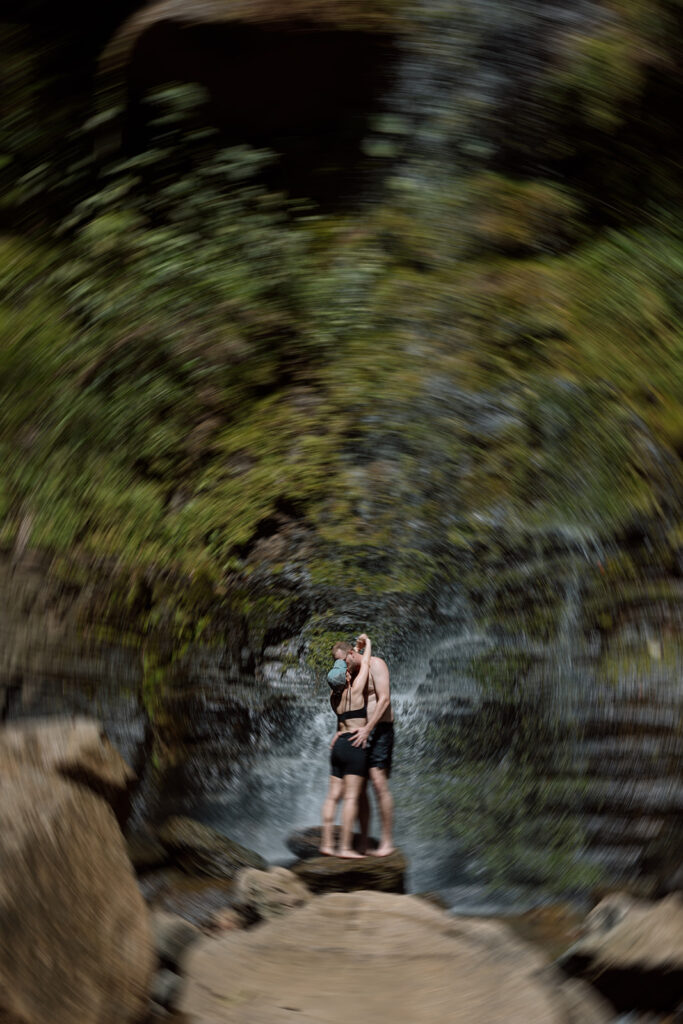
point(632, 950)
point(265, 894)
point(201, 850)
point(75, 748)
point(305, 842)
point(75, 941)
point(374, 957)
point(336, 874)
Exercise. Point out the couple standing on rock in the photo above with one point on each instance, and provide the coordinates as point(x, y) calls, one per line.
point(361, 748)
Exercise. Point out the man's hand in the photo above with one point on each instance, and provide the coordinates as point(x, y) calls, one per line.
point(359, 737)
point(334, 739)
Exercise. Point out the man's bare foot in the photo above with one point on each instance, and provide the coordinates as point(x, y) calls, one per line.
point(350, 855)
point(326, 851)
point(383, 850)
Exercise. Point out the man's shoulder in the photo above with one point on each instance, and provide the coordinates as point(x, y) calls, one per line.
point(376, 662)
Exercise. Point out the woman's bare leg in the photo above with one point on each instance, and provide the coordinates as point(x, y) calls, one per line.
point(334, 795)
point(352, 788)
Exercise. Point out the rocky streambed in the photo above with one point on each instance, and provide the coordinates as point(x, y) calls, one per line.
point(323, 938)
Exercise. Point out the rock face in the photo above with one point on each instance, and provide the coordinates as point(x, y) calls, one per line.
point(633, 952)
point(266, 894)
point(306, 842)
point(200, 850)
point(75, 942)
point(335, 874)
point(75, 748)
point(374, 957)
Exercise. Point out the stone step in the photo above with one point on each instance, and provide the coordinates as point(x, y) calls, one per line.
point(636, 747)
point(627, 719)
point(662, 797)
point(619, 860)
point(613, 830)
point(619, 767)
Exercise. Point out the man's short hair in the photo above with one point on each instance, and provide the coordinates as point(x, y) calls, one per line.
point(343, 646)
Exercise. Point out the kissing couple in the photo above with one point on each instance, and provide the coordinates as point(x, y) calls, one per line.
point(360, 749)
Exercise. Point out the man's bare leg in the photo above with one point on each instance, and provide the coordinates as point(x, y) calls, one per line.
point(334, 795)
point(363, 817)
point(352, 788)
point(385, 801)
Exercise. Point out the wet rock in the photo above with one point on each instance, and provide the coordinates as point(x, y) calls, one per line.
point(195, 899)
point(336, 874)
point(305, 843)
point(383, 958)
point(172, 938)
point(266, 894)
point(201, 850)
point(632, 950)
point(76, 749)
point(75, 940)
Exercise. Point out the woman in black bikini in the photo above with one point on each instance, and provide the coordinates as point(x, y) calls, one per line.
point(348, 764)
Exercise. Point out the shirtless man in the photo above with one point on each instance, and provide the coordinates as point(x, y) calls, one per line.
point(378, 736)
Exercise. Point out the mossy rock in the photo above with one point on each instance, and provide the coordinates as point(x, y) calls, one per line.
point(200, 850)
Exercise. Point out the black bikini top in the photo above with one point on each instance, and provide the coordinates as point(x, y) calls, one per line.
point(358, 713)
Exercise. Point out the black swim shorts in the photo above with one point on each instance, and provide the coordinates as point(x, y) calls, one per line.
point(381, 746)
point(348, 760)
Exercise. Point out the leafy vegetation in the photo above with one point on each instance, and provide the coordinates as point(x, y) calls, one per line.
point(192, 359)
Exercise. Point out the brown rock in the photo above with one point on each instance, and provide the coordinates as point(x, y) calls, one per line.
point(633, 934)
point(75, 942)
point(75, 748)
point(226, 920)
point(369, 956)
point(266, 894)
point(336, 874)
point(632, 952)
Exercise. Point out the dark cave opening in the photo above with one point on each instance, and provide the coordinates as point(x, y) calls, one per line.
point(308, 95)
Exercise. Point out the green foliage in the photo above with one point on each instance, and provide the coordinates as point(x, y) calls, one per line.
point(319, 649)
point(193, 354)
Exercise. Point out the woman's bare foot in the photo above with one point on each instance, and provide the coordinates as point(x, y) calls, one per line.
point(383, 850)
point(326, 851)
point(350, 855)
